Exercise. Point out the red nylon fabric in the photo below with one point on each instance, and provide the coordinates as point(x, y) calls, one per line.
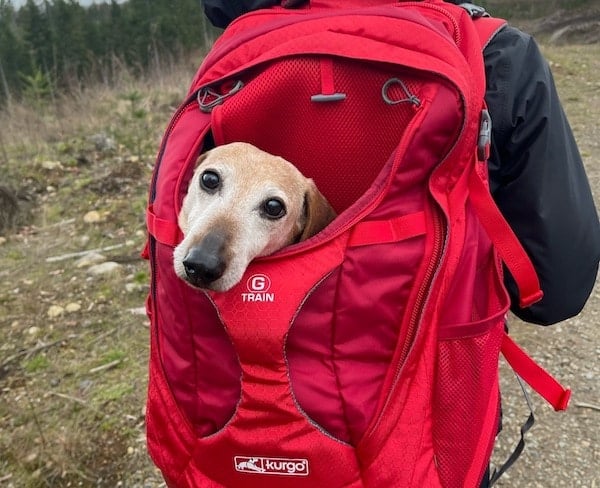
point(353, 359)
point(537, 377)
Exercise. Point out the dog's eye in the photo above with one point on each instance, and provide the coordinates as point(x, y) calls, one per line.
point(210, 180)
point(274, 208)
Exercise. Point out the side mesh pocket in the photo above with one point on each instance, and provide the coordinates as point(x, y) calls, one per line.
point(466, 393)
point(466, 402)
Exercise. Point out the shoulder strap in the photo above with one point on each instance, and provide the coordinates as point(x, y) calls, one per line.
point(486, 26)
point(504, 239)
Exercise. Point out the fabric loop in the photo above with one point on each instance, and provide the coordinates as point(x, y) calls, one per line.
point(387, 231)
point(164, 231)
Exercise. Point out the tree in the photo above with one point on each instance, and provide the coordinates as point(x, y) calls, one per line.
point(68, 23)
point(58, 44)
point(37, 37)
point(12, 53)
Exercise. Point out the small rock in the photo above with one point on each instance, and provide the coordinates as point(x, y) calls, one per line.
point(52, 165)
point(33, 331)
point(107, 267)
point(138, 311)
point(90, 259)
point(92, 217)
point(2, 240)
point(85, 385)
point(31, 457)
point(134, 287)
point(55, 311)
point(103, 142)
point(73, 307)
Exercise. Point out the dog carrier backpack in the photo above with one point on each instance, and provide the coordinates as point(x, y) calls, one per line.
point(366, 356)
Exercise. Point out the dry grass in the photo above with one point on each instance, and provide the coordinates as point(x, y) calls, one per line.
point(73, 354)
point(73, 379)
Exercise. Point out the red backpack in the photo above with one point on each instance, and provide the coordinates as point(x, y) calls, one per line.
point(368, 355)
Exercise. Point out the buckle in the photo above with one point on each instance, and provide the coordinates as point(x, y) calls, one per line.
point(474, 11)
point(485, 136)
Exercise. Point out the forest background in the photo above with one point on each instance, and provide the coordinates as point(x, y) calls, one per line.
point(52, 46)
point(58, 45)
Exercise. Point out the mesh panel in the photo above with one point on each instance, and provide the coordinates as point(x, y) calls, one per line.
point(341, 145)
point(467, 370)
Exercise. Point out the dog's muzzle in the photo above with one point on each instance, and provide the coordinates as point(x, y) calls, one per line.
point(204, 263)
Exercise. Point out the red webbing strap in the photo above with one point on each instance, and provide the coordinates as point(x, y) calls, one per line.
point(534, 375)
point(364, 233)
point(506, 242)
point(504, 239)
point(386, 231)
point(327, 77)
point(164, 231)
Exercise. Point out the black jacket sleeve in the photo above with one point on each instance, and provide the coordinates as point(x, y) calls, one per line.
point(538, 178)
point(221, 13)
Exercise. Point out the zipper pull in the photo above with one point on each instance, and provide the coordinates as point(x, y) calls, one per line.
point(328, 92)
point(208, 98)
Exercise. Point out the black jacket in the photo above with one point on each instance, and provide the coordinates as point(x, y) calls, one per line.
point(538, 179)
point(536, 172)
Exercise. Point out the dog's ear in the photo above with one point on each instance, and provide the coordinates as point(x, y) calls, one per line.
point(200, 159)
point(318, 213)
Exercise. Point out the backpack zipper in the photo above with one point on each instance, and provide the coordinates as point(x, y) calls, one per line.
point(290, 17)
point(423, 294)
point(439, 245)
point(438, 8)
point(190, 101)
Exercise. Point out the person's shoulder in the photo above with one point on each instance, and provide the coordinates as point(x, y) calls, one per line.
point(512, 39)
point(514, 50)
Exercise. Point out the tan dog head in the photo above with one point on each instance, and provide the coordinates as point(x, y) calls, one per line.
point(243, 203)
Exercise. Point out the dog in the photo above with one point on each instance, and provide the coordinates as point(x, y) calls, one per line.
point(243, 203)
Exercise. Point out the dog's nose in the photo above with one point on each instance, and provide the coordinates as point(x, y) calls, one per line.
point(203, 268)
point(203, 263)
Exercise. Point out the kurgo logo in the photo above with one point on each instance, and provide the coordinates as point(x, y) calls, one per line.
point(276, 466)
point(258, 286)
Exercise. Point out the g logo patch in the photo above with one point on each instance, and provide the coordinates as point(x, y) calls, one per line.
point(258, 283)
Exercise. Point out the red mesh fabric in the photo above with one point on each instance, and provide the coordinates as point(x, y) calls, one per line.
point(467, 373)
point(342, 144)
